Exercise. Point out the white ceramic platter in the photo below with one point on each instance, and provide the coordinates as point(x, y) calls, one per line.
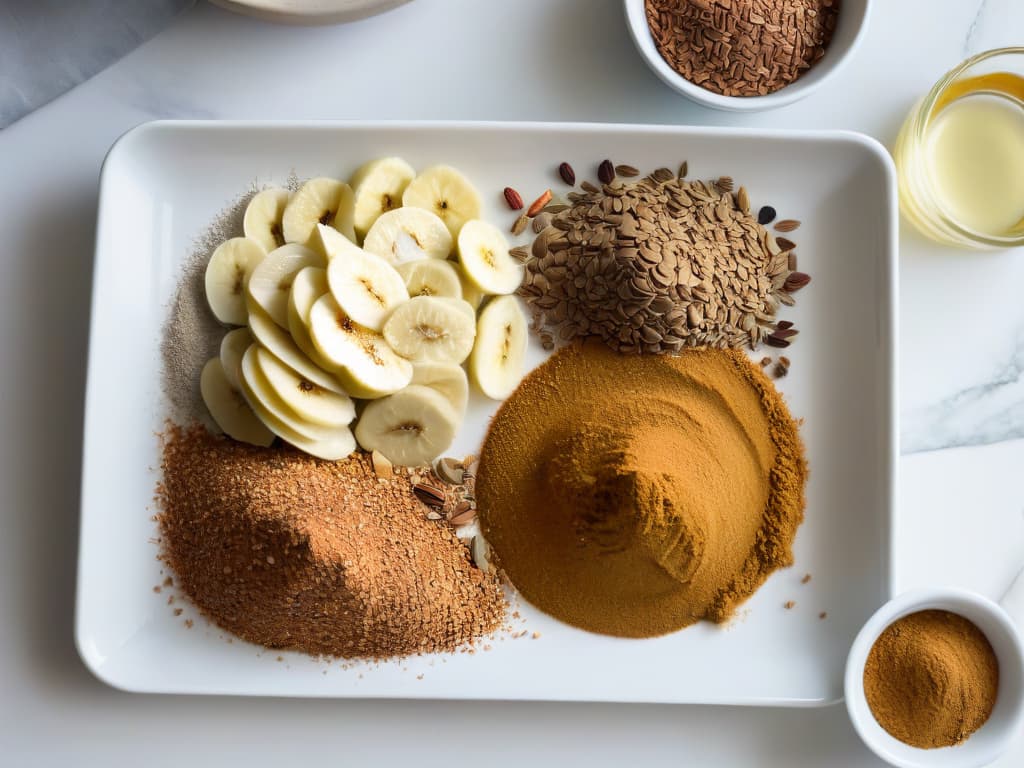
point(163, 183)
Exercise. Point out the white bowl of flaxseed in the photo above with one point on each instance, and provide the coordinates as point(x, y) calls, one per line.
point(746, 55)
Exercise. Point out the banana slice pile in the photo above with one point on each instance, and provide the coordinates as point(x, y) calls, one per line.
point(379, 290)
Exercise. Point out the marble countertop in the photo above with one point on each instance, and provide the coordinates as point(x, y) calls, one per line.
point(960, 520)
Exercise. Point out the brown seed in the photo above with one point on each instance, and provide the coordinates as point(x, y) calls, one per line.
point(806, 578)
point(823, 615)
point(775, 341)
point(513, 198)
point(626, 170)
point(785, 243)
point(430, 495)
point(683, 170)
point(789, 605)
point(567, 173)
point(464, 514)
point(519, 225)
point(520, 253)
point(538, 205)
point(765, 362)
point(786, 225)
point(724, 184)
point(606, 172)
point(796, 281)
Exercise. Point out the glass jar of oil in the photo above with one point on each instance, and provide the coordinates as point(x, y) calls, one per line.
point(960, 154)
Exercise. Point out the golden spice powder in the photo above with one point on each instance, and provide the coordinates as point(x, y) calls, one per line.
point(635, 495)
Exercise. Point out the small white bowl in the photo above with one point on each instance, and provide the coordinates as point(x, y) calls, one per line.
point(850, 29)
point(995, 736)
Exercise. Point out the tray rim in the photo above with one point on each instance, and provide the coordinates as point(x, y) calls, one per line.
point(888, 330)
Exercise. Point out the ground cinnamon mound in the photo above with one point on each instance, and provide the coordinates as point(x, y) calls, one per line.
point(742, 47)
point(931, 679)
point(289, 551)
point(635, 495)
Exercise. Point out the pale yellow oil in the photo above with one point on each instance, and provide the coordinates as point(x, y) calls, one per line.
point(975, 154)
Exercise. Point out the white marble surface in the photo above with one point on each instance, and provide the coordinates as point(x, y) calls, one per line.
point(962, 361)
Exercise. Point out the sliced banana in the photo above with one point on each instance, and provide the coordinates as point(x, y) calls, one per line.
point(271, 281)
point(484, 256)
point(332, 444)
point(448, 379)
point(427, 329)
point(496, 364)
point(411, 428)
point(309, 285)
point(445, 192)
point(318, 201)
point(408, 234)
point(262, 220)
point(227, 276)
point(267, 333)
point(463, 306)
point(431, 277)
point(311, 403)
point(228, 407)
point(232, 347)
point(263, 400)
point(471, 294)
point(377, 188)
point(365, 286)
point(369, 368)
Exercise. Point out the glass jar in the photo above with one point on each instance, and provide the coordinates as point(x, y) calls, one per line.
point(960, 154)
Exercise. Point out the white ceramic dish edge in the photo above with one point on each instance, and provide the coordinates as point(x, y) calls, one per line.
point(840, 51)
point(1007, 717)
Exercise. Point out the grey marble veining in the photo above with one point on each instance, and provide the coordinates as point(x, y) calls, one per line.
point(50, 46)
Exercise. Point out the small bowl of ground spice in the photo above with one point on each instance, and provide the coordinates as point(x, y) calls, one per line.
point(936, 678)
point(746, 55)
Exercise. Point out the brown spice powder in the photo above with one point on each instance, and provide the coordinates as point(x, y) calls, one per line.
point(931, 679)
point(635, 495)
point(742, 47)
point(288, 551)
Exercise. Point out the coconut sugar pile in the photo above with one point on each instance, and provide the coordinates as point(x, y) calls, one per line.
point(326, 558)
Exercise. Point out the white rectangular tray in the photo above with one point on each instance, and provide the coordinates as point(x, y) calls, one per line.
point(161, 185)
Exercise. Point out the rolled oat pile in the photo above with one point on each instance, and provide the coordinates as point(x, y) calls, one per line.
point(661, 264)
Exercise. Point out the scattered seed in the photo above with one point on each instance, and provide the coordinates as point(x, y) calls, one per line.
point(823, 615)
point(774, 341)
point(789, 605)
point(513, 198)
point(765, 362)
point(382, 467)
point(556, 208)
point(683, 170)
point(626, 170)
point(519, 225)
point(606, 172)
point(807, 576)
point(463, 517)
point(796, 281)
point(791, 261)
point(766, 215)
point(785, 243)
point(567, 173)
point(520, 253)
point(449, 470)
point(781, 369)
point(724, 184)
point(430, 495)
point(786, 225)
point(537, 205)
